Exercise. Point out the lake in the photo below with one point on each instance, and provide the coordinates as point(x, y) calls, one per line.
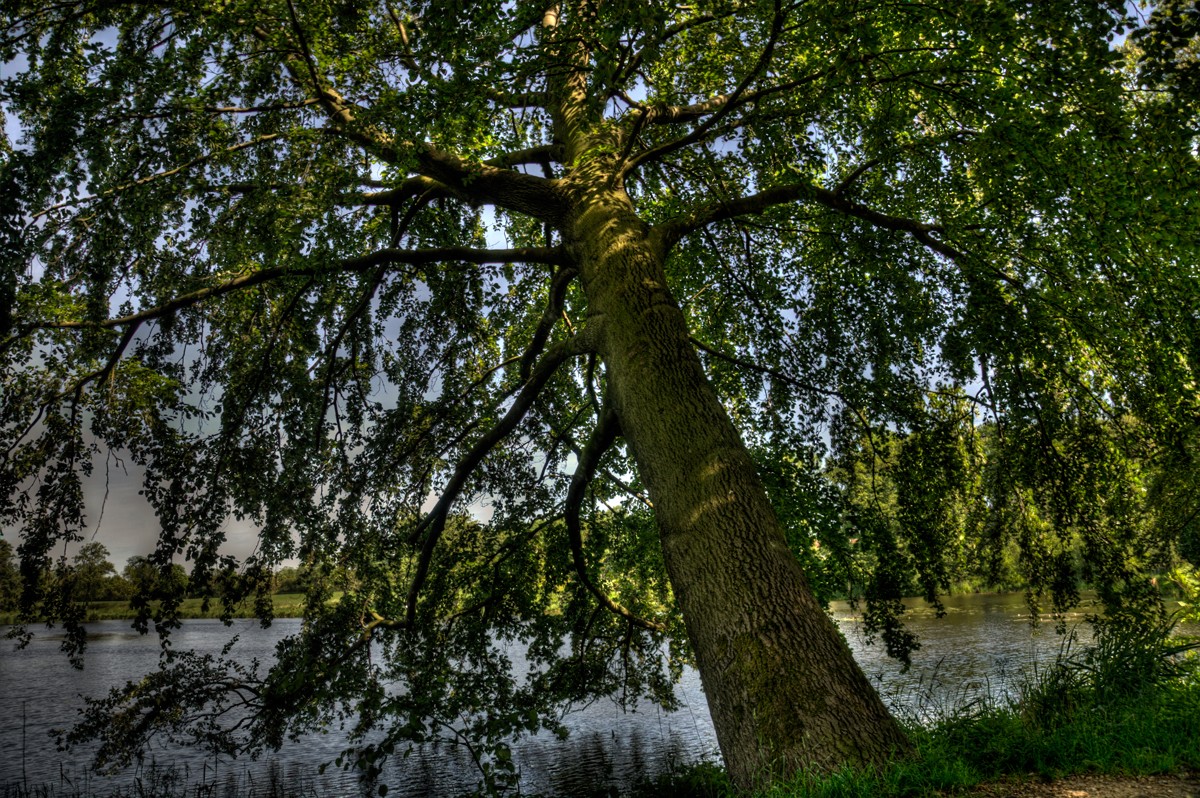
point(980, 648)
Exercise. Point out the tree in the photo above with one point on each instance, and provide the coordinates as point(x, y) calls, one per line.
point(313, 265)
point(10, 577)
point(90, 570)
point(288, 580)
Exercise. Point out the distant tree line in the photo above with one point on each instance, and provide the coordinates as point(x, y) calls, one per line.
point(94, 577)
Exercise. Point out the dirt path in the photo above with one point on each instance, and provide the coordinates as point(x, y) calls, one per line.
point(1173, 786)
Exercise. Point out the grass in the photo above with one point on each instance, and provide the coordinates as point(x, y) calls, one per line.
point(287, 605)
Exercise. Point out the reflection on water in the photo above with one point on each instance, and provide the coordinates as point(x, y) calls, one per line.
point(981, 647)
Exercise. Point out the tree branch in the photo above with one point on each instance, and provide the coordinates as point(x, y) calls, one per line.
point(416, 257)
point(603, 436)
point(754, 204)
point(725, 107)
point(434, 523)
point(267, 137)
point(474, 183)
point(677, 29)
point(774, 372)
point(558, 292)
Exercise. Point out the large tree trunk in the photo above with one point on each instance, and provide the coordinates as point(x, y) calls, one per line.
point(782, 686)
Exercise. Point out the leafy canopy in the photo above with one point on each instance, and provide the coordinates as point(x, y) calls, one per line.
point(304, 264)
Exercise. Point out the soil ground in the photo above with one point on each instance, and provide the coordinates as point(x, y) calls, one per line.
point(1170, 786)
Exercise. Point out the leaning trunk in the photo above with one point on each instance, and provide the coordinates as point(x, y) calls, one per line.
point(782, 686)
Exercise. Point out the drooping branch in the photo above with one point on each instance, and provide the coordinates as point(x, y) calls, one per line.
point(429, 530)
point(558, 293)
point(401, 226)
point(170, 111)
point(415, 257)
point(603, 437)
point(754, 204)
point(106, 371)
point(778, 374)
point(700, 131)
point(141, 181)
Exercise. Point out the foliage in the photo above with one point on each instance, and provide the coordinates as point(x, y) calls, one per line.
point(342, 270)
point(1186, 580)
point(1168, 52)
point(10, 577)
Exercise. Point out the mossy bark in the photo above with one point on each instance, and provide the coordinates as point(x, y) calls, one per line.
point(782, 686)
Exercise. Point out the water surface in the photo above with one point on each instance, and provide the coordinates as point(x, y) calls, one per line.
point(980, 648)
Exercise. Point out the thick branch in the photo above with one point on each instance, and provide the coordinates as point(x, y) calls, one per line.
point(532, 155)
point(607, 429)
point(525, 99)
point(432, 525)
point(483, 184)
point(471, 182)
point(410, 188)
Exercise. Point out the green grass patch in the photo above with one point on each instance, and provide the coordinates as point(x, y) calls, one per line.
point(287, 605)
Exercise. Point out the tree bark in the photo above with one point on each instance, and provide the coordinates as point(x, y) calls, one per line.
point(782, 686)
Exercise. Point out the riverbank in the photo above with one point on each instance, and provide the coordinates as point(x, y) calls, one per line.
point(1119, 720)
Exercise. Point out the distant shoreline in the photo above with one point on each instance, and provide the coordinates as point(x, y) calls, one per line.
point(286, 605)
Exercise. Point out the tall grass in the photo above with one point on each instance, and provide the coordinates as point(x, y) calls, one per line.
point(173, 782)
